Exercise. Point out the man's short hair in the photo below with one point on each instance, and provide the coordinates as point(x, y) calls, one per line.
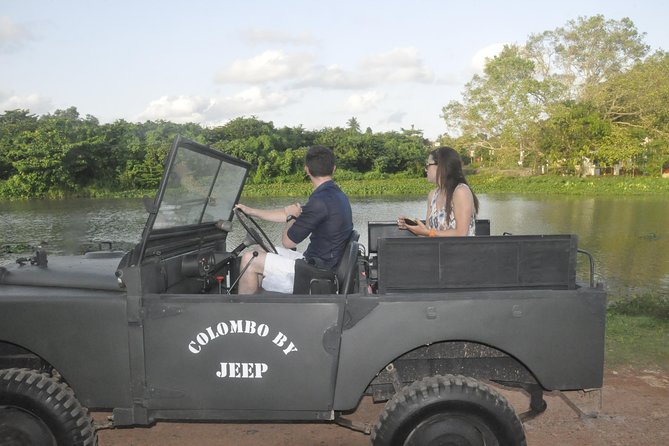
point(320, 161)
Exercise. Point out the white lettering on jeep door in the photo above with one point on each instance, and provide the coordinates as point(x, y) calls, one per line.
point(252, 370)
point(280, 341)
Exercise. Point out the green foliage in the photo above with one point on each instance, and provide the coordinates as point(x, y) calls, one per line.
point(644, 305)
point(586, 90)
point(637, 331)
point(568, 185)
point(63, 154)
point(639, 340)
point(374, 183)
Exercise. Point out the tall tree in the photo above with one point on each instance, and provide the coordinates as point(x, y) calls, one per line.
point(587, 51)
point(639, 98)
point(353, 125)
point(500, 108)
point(637, 104)
point(12, 125)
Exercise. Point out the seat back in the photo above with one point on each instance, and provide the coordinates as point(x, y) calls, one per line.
point(345, 272)
point(389, 229)
point(482, 227)
point(423, 264)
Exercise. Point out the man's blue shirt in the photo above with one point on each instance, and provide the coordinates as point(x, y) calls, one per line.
point(328, 218)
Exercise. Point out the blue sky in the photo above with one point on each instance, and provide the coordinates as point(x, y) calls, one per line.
point(391, 64)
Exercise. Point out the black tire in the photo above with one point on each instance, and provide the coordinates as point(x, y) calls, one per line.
point(38, 410)
point(448, 410)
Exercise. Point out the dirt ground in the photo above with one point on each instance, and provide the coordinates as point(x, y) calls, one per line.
point(634, 411)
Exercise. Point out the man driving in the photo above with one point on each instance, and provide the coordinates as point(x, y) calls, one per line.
point(326, 218)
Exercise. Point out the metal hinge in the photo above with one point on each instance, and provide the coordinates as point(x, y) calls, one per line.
point(161, 311)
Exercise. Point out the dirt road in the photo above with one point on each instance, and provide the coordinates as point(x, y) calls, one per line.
point(634, 412)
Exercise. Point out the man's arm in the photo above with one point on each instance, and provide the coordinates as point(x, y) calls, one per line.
point(274, 215)
point(285, 240)
point(293, 210)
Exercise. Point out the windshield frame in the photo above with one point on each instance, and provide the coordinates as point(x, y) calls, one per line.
point(192, 227)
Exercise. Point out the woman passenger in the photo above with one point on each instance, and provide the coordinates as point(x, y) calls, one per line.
point(452, 206)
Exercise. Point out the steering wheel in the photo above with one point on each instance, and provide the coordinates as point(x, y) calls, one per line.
point(255, 231)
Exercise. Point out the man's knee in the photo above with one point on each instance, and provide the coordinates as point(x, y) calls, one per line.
point(256, 259)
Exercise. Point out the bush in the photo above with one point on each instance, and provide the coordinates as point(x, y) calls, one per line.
point(644, 305)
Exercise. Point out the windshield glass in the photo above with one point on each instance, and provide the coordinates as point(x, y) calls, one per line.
point(199, 189)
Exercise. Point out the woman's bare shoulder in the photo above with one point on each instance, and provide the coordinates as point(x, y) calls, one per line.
point(462, 190)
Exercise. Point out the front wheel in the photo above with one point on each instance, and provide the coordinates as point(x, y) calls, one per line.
point(38, 410)
point(448, 410)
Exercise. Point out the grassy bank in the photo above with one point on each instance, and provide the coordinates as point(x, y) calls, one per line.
point(481, 183)
point(637, 333)
point(361, 185)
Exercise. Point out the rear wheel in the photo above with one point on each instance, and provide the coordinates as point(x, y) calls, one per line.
point(36, 410)
point(448, 411)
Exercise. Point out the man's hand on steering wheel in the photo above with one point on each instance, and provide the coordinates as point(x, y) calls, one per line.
point(293, 210)
point(253, 229)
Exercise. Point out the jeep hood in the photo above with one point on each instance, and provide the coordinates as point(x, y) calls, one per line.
point(94, 271)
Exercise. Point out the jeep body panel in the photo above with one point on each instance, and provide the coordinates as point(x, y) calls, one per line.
point(81, 333)
point(557, 334)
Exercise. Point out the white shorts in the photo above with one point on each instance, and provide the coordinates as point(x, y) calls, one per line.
point(279, 274)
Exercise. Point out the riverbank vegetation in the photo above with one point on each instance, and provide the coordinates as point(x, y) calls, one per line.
point(482, 183)
point(586, 98)
point(637, 332)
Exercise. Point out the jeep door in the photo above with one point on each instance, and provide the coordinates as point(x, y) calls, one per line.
point(242, 353)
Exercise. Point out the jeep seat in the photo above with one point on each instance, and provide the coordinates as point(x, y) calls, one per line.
point(312, 280)
point(345, 273)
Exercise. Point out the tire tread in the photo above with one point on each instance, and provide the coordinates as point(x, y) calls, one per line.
point(54, 397)
point(431, 390)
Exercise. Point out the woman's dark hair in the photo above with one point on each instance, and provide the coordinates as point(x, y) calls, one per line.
point(320, 160)
point(450, 174)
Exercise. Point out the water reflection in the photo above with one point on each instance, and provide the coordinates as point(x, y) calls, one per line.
point(627, 235)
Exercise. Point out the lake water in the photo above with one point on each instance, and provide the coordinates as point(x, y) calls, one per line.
point(628, 236)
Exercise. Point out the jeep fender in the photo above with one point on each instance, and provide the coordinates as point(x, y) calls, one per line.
point(536, 327)
point(80, 333)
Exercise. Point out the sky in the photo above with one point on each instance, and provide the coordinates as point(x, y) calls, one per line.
point(390, 64)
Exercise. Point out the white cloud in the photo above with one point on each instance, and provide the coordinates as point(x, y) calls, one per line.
point(183, 109)
point(479, 60)
point(251, 101)
point(268, 66)
point(395, 118)
point(334, 77)
point(360, 103)
point(275, 37)
point(177, 109)
point(398, 65)
point(36, 103)
point(12, 35)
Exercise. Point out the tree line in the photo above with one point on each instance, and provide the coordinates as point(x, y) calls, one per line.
point(62, 153)
point(589, 91)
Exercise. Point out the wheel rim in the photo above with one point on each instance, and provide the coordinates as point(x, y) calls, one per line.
point(21, 428)
point(451, 430)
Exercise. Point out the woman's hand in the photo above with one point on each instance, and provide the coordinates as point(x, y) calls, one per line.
point(419, 228)
point(413, 225)
point(401, 222)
